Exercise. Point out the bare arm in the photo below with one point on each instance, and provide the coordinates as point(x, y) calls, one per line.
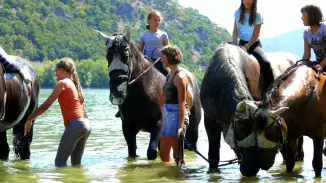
point(181, 84)
point(142, 45)
point(165, 42)
point(48, 102)
point(235, 32)
point(307, 50)
point(255, 35)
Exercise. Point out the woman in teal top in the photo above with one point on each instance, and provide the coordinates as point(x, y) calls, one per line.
point(247, 26)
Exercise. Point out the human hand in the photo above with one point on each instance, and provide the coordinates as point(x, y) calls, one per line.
point(28, 125)
point(244, 48)
point(180, 132)
point(318, 67)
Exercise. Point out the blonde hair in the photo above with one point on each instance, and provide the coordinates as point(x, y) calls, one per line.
point(151, 14)
point(68, 65)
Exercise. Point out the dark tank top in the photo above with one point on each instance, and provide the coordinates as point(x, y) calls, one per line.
point(170, 90)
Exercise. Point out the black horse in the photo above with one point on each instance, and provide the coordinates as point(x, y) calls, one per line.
point(15, 107)
point(231, 77)
point(138, 100)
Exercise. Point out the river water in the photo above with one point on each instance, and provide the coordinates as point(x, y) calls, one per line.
point(105, 157)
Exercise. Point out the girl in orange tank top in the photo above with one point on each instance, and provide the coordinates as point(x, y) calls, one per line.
point(69, 93)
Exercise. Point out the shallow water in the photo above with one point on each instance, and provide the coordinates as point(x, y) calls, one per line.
point(105, 158)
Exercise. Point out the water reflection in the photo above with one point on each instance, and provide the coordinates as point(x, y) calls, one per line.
point(105, 157)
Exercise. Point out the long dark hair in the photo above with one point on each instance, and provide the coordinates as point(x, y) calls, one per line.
point(253, 13)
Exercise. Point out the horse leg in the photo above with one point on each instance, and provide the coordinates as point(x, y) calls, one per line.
point(300, 153)
point(291, 148)
point(22, 143)
point(214, 139)
point(317, 162)
point(130, 132)
point(4, 147)
point(153, 143)
point(192, 134)
point(324, 150)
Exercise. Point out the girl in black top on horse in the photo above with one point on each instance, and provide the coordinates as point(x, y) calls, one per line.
point(247, 26)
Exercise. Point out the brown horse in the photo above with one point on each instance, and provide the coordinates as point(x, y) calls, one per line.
point(231, 77)
point(299, 97)
point(15, 106)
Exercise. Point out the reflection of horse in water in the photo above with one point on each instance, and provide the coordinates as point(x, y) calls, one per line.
point(139, 101)
point(300, 99)
point(15, 107)
point(231, 77)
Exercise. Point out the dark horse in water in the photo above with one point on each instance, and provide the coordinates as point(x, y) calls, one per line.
point(231, 77)
point(15, 107)
point(138, 100)
point(299, 97)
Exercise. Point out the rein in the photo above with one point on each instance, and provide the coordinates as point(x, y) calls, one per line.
point(5, 93)
point(143, 73)
point(228, 162)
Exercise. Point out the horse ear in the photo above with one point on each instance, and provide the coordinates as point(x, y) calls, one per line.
point(106, 37)
point(242, 106)
point(128, 34)
point(278, 112)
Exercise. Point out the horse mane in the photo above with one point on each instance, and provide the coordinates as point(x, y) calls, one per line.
point(138, 59)
point(227, 82)
point(273, 94)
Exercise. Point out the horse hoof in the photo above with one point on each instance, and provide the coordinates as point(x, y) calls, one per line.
point(213, 170)
point(151, 154)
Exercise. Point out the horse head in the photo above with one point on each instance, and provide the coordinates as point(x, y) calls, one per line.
point(119, 63)
point(269, 129)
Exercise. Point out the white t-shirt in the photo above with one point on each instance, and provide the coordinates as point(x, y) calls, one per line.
point(317, 41)
point(153, 42)
point(245, 31)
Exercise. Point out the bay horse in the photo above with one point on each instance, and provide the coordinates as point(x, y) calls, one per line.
point(233, 76)
point(15, 107)
point(299, 97)
point(138, 99)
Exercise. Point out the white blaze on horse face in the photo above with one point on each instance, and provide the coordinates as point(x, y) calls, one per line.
point(117, 64)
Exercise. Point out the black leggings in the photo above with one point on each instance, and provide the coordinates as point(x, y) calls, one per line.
point(159, 66)
point(257, 51)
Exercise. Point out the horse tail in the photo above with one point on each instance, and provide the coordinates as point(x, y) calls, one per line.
point(75, 79)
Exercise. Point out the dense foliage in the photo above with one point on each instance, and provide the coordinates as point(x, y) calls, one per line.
point(42, 30)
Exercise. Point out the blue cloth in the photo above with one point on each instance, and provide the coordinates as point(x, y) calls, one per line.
point(170, 119)
point(245, 31)
point(317, 41)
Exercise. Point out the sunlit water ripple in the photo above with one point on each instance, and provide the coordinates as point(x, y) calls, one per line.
point(105, 157)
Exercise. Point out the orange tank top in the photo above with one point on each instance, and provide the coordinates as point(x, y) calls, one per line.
point(70, 104)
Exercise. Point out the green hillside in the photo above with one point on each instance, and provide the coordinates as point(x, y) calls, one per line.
point(41, 30)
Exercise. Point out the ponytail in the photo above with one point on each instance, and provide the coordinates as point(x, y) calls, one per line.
point(75, 79)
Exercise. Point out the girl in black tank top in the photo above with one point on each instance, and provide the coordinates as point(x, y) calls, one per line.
point(175, 111)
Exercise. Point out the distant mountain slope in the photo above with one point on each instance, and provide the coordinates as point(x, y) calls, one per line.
point(289, 42)
point(48, 29)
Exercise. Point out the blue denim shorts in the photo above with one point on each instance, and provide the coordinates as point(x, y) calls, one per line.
point(170, 123)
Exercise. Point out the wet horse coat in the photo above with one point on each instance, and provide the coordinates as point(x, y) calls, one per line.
point(299, 98)
point(15, 107)
point(138, 102)
point(231, 77)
